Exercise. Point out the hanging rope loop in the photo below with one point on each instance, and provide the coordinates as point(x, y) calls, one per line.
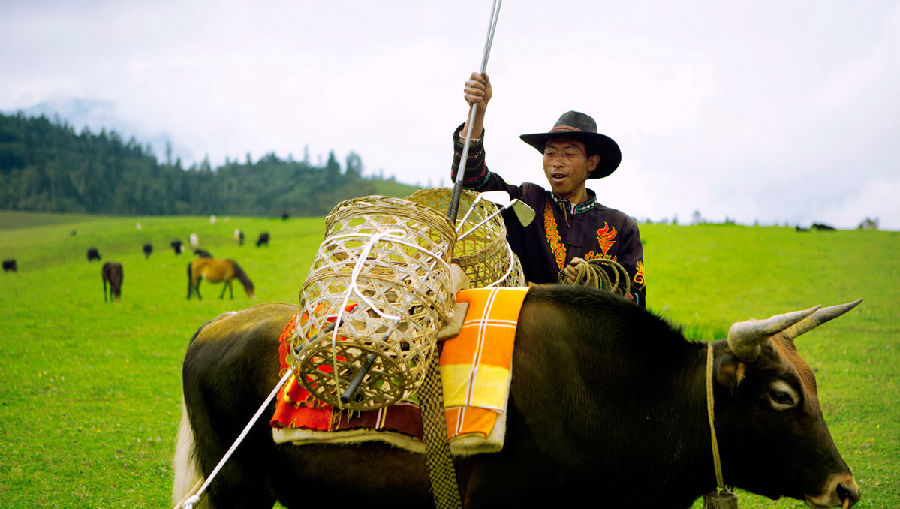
point(723, 498)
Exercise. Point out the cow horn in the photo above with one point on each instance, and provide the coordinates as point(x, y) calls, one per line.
point(744, 338)
point(818, 318)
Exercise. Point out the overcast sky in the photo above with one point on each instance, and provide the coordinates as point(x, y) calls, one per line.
point(782, 111)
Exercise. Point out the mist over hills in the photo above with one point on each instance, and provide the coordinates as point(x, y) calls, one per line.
point(100, 114)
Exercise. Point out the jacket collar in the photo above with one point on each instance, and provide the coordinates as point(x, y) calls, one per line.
point(578, 208)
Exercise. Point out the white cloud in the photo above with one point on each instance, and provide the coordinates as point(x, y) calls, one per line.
point(732, 110)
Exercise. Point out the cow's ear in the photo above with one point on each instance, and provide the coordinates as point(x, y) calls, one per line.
point(729, 370)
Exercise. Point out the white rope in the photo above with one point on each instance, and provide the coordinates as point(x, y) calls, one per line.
point(468, 213)
point(512, 262)
point(398, 240)
point(189, 503)
point(472, 229)
point(354, 276)
point(353, 288)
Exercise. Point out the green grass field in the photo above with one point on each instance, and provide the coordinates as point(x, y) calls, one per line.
point(90, 391)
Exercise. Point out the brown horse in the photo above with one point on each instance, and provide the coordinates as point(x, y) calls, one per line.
point(112, 275)
point(216, 271)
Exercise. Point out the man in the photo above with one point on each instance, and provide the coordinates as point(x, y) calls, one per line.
point(570, 223)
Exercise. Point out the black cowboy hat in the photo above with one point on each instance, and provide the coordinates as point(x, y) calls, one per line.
point(580, 127)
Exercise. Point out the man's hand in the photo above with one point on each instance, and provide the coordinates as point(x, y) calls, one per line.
point(570, 271)
point(478, 90)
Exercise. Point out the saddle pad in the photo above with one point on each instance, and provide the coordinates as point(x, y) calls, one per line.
point(475, 370)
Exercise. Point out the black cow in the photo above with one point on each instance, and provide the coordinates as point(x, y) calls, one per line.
point(93, 254)
point(284, 216)
point(176, 246)
point(202, 253)
point(263, 239)
point(148, 249)
point(10, 266)
point(822, 227)
point(606, 401)
point(112, 275)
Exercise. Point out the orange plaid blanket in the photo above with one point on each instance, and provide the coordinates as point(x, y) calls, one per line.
point(475, 370)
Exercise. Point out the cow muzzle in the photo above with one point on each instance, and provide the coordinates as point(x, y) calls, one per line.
point(841, 490)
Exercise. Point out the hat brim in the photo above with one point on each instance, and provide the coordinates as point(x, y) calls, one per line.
point(610, 155)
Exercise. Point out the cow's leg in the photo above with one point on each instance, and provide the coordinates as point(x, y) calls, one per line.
point(104, 289)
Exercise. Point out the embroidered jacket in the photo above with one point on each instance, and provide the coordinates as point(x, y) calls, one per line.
point(559, 231)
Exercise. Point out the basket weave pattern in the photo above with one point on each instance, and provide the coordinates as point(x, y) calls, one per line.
point(380, 286)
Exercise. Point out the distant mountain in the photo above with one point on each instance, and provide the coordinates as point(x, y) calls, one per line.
point(99, 114)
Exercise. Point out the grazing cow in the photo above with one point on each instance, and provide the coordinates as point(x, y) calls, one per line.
point(822, 227)
point(606, 400)
point(194, 241)
point(176, 246)
point(263, 239)
point(10, 266)
point(112, 275)
point(203, 253)
point(148, 249)
point(239, 237)
point(93, 254)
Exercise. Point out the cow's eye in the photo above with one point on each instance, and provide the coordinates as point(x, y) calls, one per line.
point(782, 396)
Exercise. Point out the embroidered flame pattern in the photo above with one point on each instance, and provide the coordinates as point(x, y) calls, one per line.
point(553, 238)
point(593, 255)
point(606, 237)
point(639, 275)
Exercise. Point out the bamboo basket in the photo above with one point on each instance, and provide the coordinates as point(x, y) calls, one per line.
point(378, 291)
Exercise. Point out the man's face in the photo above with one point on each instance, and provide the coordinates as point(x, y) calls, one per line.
point(566, 166)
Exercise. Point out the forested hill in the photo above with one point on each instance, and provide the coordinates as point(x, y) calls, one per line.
point(46, 166)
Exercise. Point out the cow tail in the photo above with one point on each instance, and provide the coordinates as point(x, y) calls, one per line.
point(187, 472)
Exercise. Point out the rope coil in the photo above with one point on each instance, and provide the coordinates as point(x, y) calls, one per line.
point(604, 274)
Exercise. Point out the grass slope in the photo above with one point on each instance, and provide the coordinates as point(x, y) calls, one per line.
point(90, 391)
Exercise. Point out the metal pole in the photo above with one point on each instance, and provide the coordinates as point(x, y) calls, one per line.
point(457, 183)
